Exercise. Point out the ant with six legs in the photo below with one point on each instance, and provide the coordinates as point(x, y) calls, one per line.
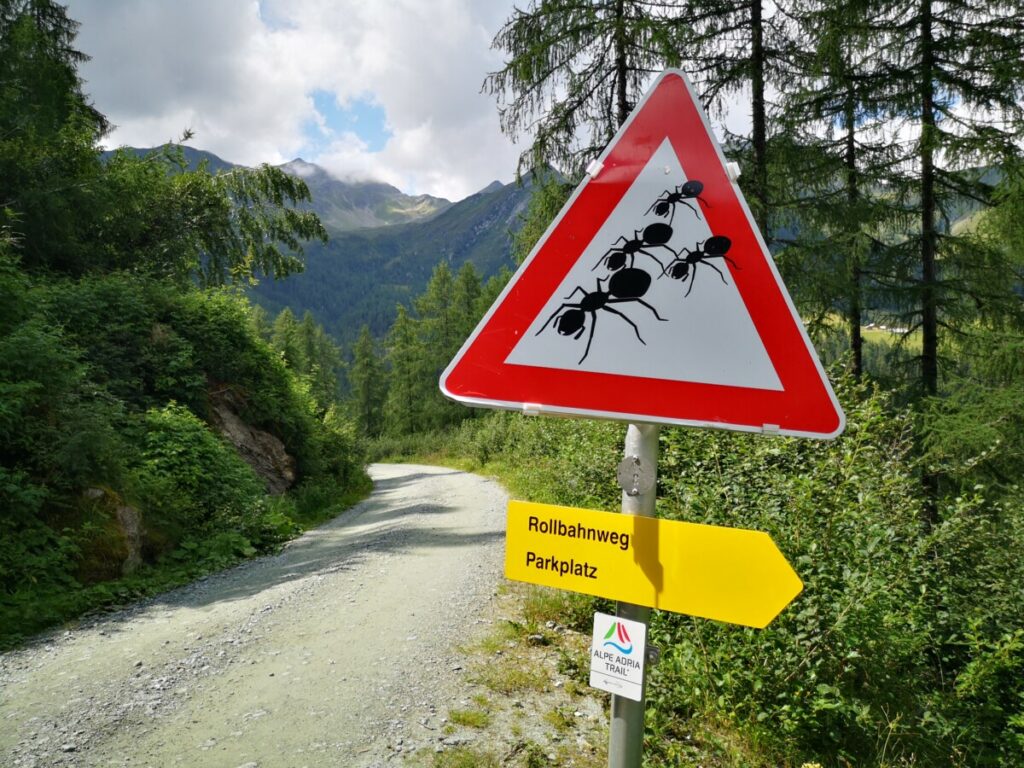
point(685, 268)
point(625, 283)
point(654, 235)
point(666, 204)
point(625, 286)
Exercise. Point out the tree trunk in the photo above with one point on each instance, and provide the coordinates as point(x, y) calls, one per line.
point(759, 141)
point(929, 236)
point(929, 299)
point(621, 70)
point(853, 316)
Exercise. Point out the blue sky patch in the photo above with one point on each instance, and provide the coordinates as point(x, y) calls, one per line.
point(363, 117)
point(272, 17)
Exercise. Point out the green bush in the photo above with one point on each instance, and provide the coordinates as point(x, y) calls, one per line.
point(195, 489)
point(32, 554)
point(198, 473)
point(104, 383)
point(829, 677)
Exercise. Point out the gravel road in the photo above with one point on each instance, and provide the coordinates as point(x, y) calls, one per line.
point(339, 651)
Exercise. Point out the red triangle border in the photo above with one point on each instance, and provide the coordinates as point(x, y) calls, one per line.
point(806, 406)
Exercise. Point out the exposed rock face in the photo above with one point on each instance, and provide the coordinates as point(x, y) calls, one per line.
point(261, 450)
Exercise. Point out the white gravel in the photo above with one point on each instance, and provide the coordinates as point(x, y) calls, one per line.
point(340, 651)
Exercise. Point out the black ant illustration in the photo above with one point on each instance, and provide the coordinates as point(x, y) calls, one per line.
point(654, 235)
point(685, 268)
point(666, 204)
point(625, 286)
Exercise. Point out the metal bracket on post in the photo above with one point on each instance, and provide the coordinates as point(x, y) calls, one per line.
point(634, 476)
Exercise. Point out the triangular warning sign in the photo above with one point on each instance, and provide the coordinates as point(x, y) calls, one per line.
point(651, 298)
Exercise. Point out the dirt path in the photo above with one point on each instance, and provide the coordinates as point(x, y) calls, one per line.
point(340, 651)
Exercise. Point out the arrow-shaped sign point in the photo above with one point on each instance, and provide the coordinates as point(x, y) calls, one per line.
point(726, 574)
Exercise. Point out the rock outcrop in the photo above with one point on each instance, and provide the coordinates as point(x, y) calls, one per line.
point(262, 451)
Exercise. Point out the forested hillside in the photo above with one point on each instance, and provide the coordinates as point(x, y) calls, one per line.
point(383, 244)
point(359, 276)
point(151, 429)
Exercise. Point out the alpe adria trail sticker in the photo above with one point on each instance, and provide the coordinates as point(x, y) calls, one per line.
point(651, 298)
point(617, 651)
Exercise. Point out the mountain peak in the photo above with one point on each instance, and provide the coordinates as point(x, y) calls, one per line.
point(302, 169)
point(347, 203)
point(494, 186)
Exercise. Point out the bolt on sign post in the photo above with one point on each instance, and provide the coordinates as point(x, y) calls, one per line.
point(650, 299)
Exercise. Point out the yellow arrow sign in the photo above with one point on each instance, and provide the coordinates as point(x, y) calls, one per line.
point(727, 574)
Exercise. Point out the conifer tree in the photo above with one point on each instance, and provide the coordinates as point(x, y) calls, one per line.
point(285, 338)
point(438, 324)
point(734, 48)
point(978, 429)
point(465, 298)
point(260, 320)
point(836, 160)
point(956, 87)
point(446, 316)
point(38, 71)
point(367, 385)
point(49, 166)
point(403, 406)
point(575, 70)
point(323, 363)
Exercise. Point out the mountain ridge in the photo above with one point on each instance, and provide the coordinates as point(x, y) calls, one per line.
point(341, 204)
point(358, 204)
point(360, 275)
point(383, 245)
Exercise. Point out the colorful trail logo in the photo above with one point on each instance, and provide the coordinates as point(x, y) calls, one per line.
point(619, 630)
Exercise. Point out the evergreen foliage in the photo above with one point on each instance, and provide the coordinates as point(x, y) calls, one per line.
point(575, 70)
point(419, 347)
point(917, 103)
point(835, 163)
point(367, 385)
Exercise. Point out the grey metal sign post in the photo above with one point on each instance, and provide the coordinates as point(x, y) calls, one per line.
point(638, 476)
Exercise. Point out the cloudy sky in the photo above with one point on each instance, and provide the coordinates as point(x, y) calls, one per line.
point(388, 90)
point(366, 88)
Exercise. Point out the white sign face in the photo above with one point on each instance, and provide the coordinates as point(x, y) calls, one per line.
point(708, 337)
point(651, 298)
point(617, 656)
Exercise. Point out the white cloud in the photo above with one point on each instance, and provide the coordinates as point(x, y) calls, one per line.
point(240, 74)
